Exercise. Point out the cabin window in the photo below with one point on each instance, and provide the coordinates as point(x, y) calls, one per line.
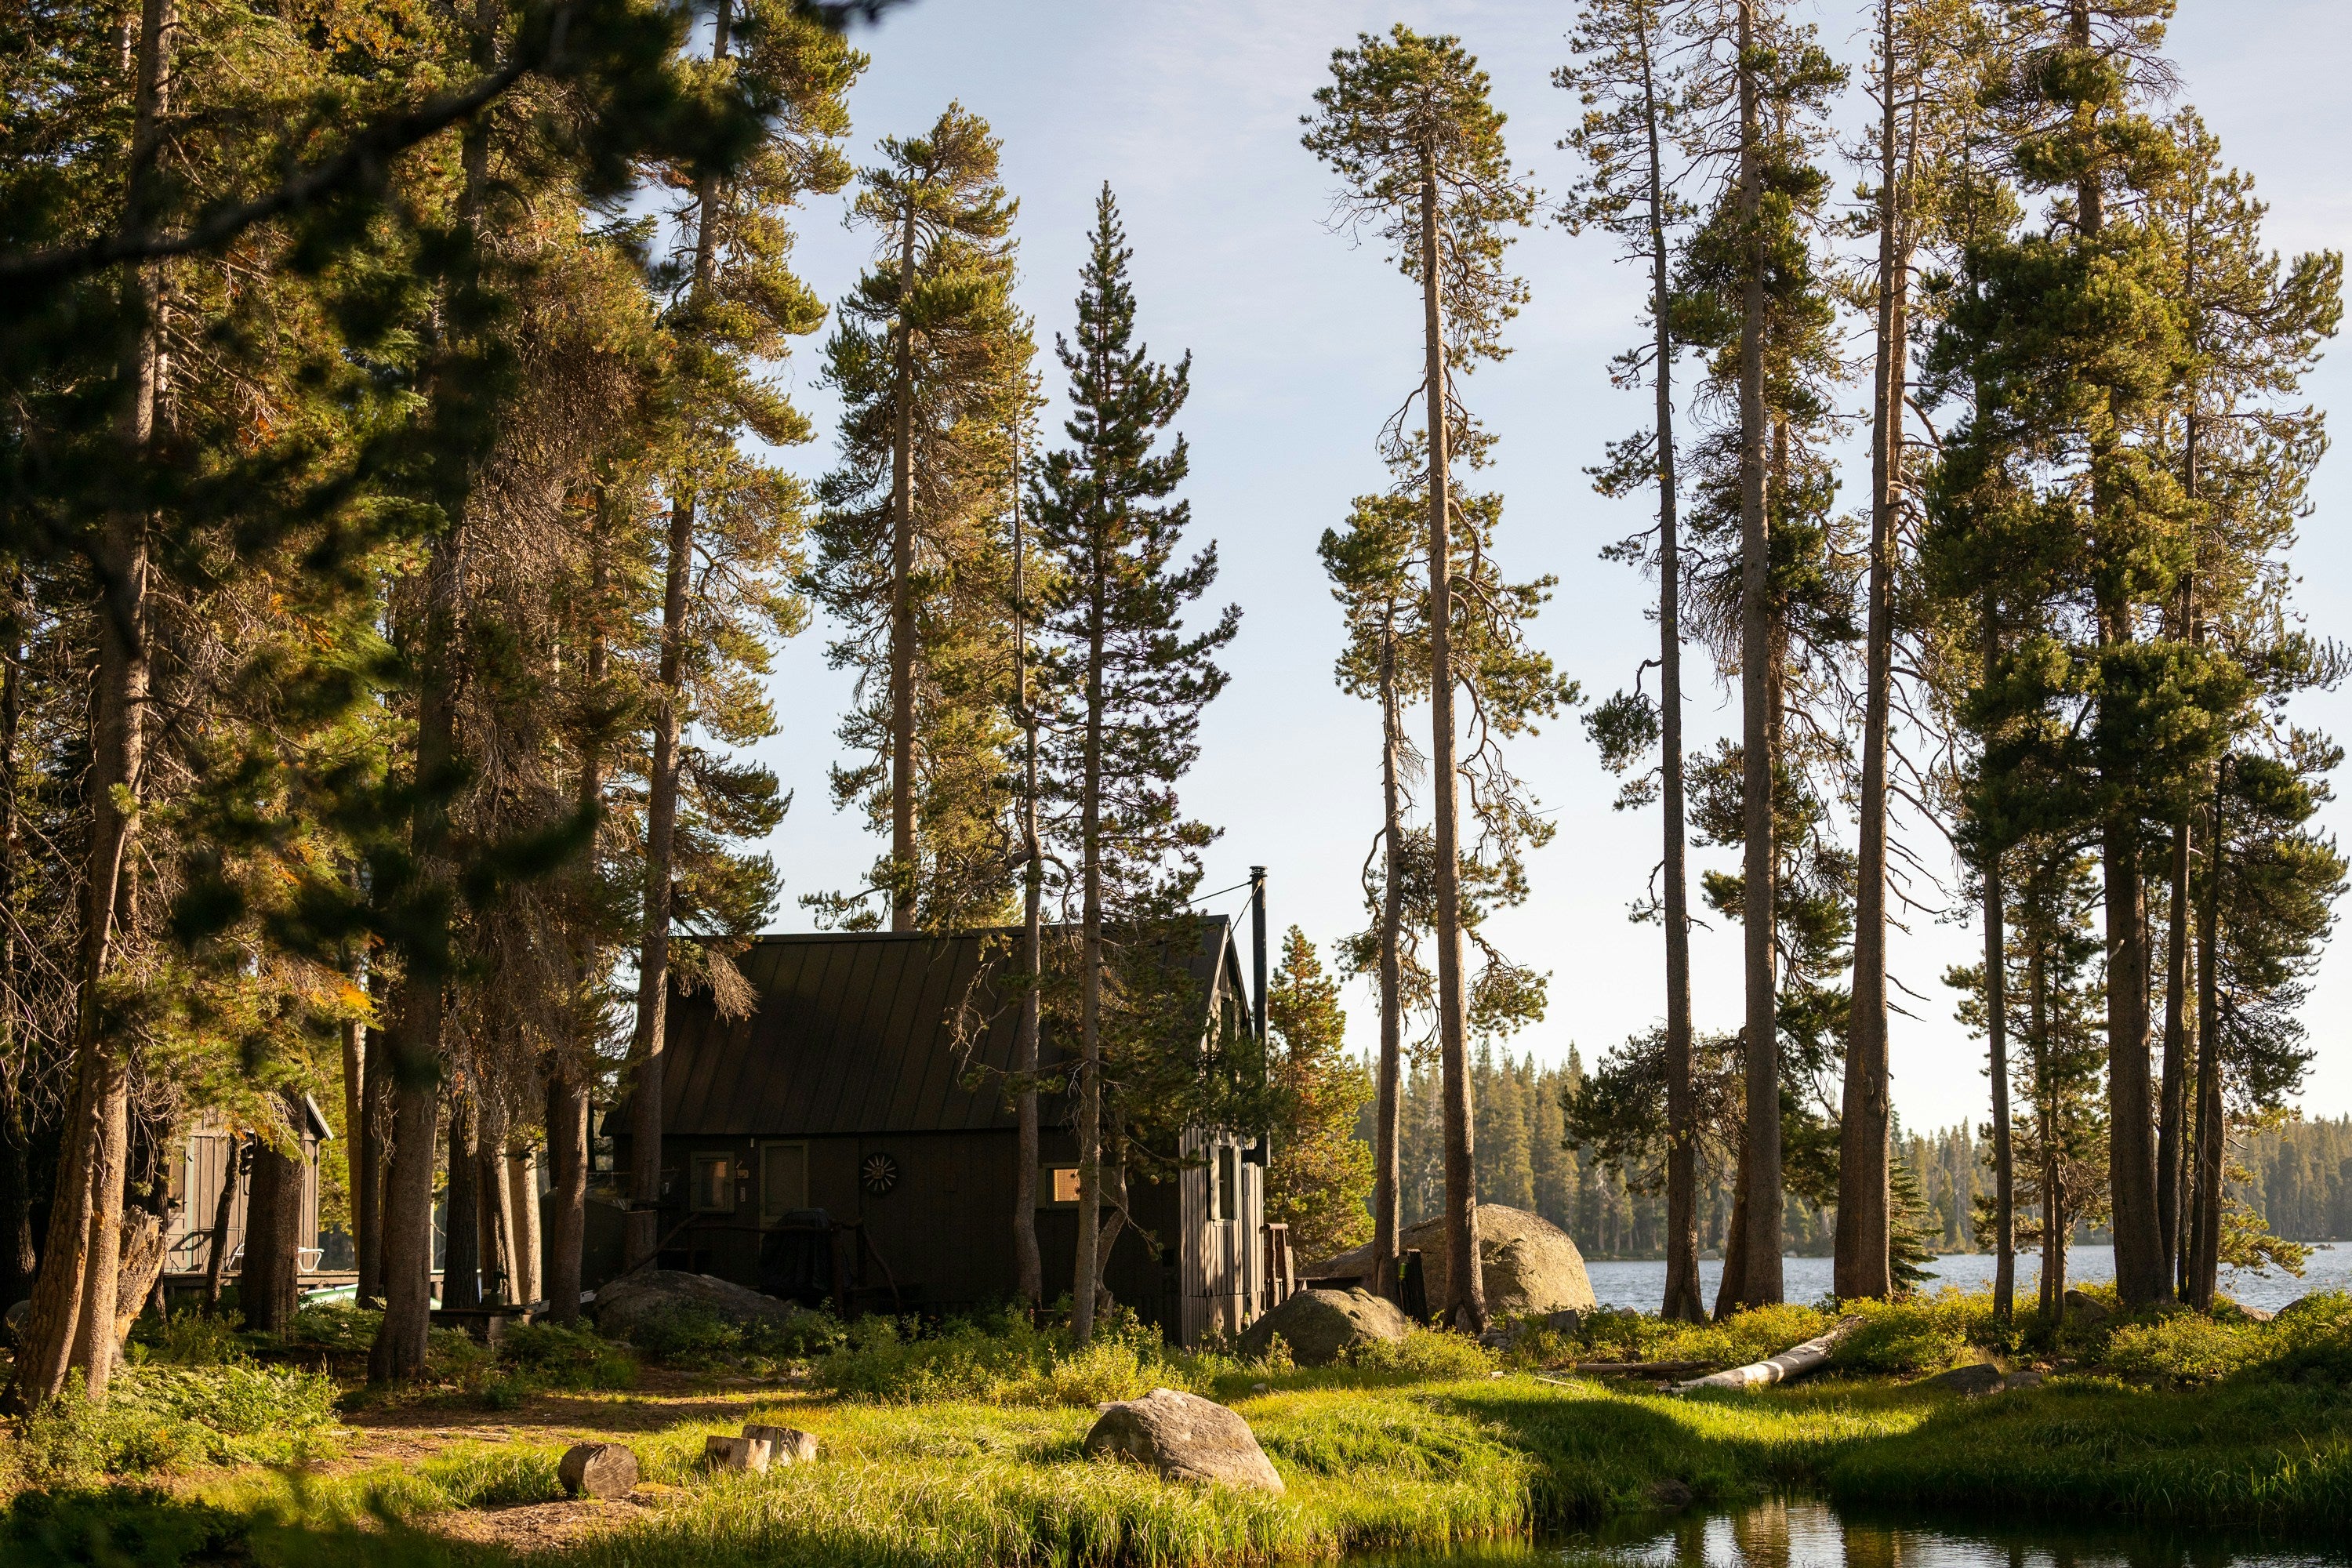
point(784, 1180)
point(1226, 1191)
point(1057, 1186)
point(714, 1183)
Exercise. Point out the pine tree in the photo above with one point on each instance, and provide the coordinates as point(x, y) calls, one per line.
point(1406, 125)
point(931, 359)
point(1136, 678)
point(1632, 96)
point(1320, 1174)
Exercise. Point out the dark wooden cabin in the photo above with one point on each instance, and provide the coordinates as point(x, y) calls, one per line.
point(850, 1089)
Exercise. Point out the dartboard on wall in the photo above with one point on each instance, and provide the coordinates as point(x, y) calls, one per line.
point(878, 1174)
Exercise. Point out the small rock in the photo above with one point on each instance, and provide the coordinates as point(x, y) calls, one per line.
point(1261, 1388)
point(2088, 1310)
point(1569, 1322)
point(2024, 1377)
point(736, 1454)
point(1977, 1377)
point(1185, 1439)
point(786, 1444)
point(599, 1470)
point(1667, 1493)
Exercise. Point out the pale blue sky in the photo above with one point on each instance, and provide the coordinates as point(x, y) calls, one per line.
point(1301, 345)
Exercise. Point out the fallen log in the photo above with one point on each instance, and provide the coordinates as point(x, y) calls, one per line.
point(1640, 1368)
point(1794, 1362)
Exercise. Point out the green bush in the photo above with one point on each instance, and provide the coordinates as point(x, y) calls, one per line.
point(554, 1356)
point(1923, 1334)
point(1430, 1355)
point(158, 1418)
point(1007, 1360)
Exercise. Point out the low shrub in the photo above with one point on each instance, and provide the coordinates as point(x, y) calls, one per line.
point(555, 1356)
point(1743, 1337)
point(160, 1419)
point(1429, 1354)
point(697, 1338)
point(1007, 1360)
point(1921, 1334)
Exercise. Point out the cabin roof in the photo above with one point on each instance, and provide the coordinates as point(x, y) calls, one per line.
point(856, 1034)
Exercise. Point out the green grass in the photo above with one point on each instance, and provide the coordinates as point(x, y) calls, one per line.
point(2263, 1455)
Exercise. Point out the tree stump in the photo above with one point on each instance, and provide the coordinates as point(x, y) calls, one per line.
point(599, 1470)
point(736, 1454)
point(786, 1444)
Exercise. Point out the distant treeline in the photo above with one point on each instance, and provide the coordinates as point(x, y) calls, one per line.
point(2297, 1176)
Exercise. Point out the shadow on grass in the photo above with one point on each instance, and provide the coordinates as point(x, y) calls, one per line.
point(142, 1527)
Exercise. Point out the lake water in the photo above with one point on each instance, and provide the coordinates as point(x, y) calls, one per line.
point(1803, 1534)
point(1641, 1285)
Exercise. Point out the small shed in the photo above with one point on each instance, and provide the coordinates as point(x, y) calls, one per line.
point(850, 1089)
point(208, 1159)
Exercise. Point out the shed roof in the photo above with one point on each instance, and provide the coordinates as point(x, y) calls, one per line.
point(856, 1033)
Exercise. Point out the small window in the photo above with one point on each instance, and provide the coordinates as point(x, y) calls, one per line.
point(784, 1180)
point(714, 1183)
point(1062, 1185)
point(1226, 1203)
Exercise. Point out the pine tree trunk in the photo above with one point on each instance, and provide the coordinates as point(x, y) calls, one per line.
point(81, 1252)
point(1683, 1301)
point(1863, 1265)
point(94, 1347)
point(1388, 1130)
point(1735, 1249)
point(522, 1204)
point(1760, 1157)
point(2004, 1169)
point(2173, 1087)
point(2212, 1127)
point(902, 600)
point(354, 1116)
point(567, 1153)
point(1466, 1289)
point(497, 1244)
point(414, 1042)
point(648, 1039)
point(19, 1262)
point(461, 1225)
point(372, 1138)
point(266, 1286)
point(1028, 1262)
point(1090, 954)
point(233, 1174)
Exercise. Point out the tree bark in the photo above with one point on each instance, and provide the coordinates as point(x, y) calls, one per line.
point(1681, 1302)
point(20, 1261)
point(354, 1115)
point(902, 599)
point(1467, 1291)
point(567, 1153)
point(372, 1138)
point(461, 1227)
point(273, 1214)
point(1863, 1265)
point(496, 1220)
point(2212, 1126)
point(2004, 1169)
point(1388, 1129)
point(216, 1254)
point(522, 1204)
point(1028, 1262)
point(649, 1040)
point(80, 1258)
point(1760, 1158)
point(1090, 954)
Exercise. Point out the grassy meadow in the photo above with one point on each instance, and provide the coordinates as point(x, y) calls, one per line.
point(960, 1445)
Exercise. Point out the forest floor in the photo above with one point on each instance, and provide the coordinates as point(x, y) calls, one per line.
point(932, 1464)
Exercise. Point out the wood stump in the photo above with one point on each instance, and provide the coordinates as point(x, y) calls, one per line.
point(786, 1444)
point(599, 1470)
point(736, 1454)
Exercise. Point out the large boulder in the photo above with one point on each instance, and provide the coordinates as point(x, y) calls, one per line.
point(650, 1293)
point(1528, 1264)
point(1322, 1326)
point(1184, 1437)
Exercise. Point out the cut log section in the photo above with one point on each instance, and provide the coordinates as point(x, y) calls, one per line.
point(1794, 1362)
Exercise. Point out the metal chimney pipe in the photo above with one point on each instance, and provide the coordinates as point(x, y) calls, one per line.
point(1258, 945)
